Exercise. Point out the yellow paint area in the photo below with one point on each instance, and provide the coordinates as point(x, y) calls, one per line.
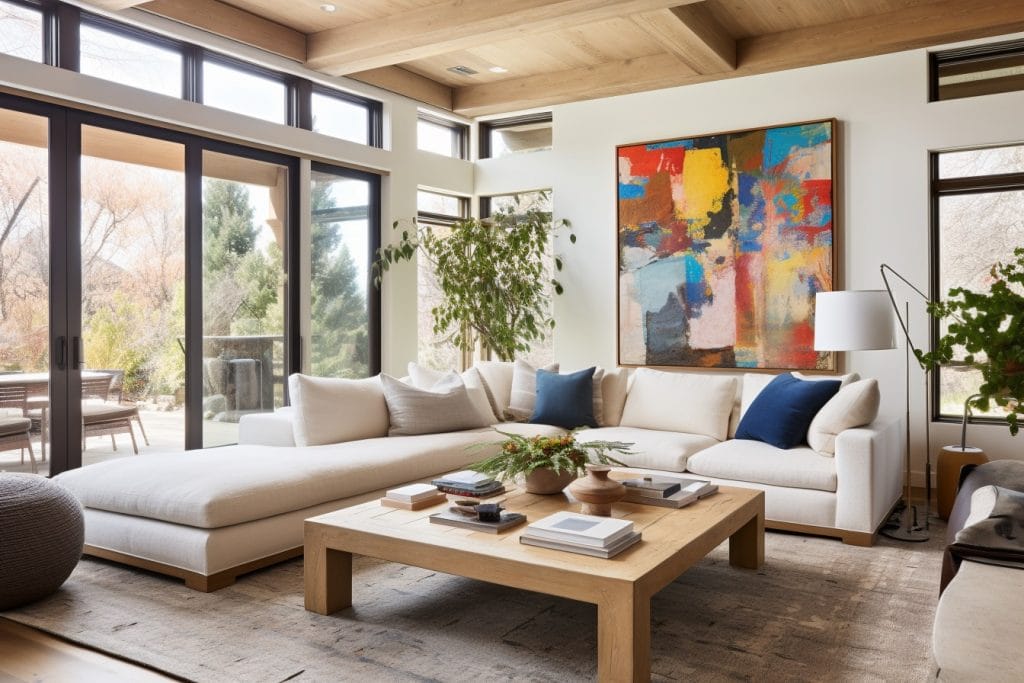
point(705, 182)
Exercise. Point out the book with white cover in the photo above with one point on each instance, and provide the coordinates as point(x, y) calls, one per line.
point(467, 478)
point(412, 493)
point(626, 541)
point(576, 529)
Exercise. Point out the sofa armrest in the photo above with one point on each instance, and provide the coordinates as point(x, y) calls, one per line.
point(869, 473)
point(267, 429)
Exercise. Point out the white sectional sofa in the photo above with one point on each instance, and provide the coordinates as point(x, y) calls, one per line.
point(211, 515)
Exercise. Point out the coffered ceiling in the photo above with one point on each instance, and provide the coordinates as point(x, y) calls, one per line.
point(516, 54)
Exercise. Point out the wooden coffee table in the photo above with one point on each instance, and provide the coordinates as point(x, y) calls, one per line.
point(621, 587)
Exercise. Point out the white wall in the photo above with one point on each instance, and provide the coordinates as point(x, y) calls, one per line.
point(887, 128)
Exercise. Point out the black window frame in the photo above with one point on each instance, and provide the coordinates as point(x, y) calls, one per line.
point(967, 56)
point(446, 219)
point(488, 127)
point(459, 133)
point(374, 109)
point(949, 187)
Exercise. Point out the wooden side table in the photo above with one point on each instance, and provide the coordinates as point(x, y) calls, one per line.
point(950, 461)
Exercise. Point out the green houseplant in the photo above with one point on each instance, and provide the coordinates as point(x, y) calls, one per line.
point(549, 463)
point(494, 276)
point(989, 329)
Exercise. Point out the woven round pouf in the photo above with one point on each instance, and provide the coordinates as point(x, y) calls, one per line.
point(41, 536)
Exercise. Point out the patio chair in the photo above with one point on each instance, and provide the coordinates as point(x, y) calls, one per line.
point(15, 429)
point(116, 394)
point(104, 417)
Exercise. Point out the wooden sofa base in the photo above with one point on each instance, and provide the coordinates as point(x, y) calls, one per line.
point(194, 580)
point(859, 538)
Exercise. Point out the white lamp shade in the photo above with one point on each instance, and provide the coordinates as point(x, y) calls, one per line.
point(859, 320)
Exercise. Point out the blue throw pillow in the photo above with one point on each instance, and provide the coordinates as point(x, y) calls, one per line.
point(565, 400)
point(782, 412)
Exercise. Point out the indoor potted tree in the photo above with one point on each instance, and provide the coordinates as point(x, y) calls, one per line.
point(989, 328)
point(549, 463)
point(493, 274)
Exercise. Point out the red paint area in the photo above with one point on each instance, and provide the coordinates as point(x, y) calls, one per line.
point(676, 241)
point(646, 163)
point(800, 353)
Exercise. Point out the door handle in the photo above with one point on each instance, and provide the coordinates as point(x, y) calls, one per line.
point(77, 353)
point(60, 352)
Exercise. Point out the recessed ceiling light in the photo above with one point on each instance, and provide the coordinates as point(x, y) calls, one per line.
point(498, 70)
point(328, 7)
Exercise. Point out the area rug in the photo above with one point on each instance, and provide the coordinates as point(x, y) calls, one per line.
point(817, 610)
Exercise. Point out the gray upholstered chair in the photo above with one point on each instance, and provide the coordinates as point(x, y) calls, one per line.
point(103, 417)
point(16, 429)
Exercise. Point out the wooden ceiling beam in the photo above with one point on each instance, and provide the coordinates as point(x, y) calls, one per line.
point(115, 5)
point(454, 25)
point(224, 20)
point(693, 35)
point(905, 29)
point(399, 80)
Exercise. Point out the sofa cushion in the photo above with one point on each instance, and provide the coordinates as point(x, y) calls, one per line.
point(218, 487)
point(497, 376)
point(678, 402)
point(528, 430)
point(613, 396)
point(782, 412)
point(758, 462)
point(426, 378)
point(854, 405)
point(565, 400)
point(652, 449)
point(523, 394)
point(445, 407)
point(753, 383)
point(329, 410)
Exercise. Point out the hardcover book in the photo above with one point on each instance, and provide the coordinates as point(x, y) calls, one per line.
point(508, 520)
point(614, 549)
point(577, 529)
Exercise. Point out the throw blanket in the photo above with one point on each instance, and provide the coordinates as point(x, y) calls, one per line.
point(998, 538)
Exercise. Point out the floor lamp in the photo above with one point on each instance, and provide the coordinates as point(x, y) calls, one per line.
point(909, 529)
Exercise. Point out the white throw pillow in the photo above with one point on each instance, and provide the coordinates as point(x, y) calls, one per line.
point(854, 405)
point(613, 396)
point(678, 402)
point(330, 410)
point(754, 382)
point(425, 378)
point(524, 390)
point(445, 407)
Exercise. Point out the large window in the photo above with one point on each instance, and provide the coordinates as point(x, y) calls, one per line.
point(441, 136)
point(515, 135)
point(244, 91)
point(344, 308)
point(439, 212)
point(130, 59)
point(21, 31)
point(344, 117)
point(978, 219)
point(542, 352)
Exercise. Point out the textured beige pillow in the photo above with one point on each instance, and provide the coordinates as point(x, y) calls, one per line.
point(329, 410)
point(678, 402)
point(613, 396)
point(854, 405)
point(524, 390)
point(445, 407)
point(425, 378)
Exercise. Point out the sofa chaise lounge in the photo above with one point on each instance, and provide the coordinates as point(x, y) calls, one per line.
point(210, 515)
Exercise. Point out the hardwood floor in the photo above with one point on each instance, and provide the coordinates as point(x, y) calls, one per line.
point(35, 657)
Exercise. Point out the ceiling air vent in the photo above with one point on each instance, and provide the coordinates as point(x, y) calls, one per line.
point(463, 70)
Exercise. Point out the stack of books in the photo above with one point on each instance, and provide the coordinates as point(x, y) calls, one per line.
point(671, 492)
point(469, 483)
point(413, 497)
point(584, 534)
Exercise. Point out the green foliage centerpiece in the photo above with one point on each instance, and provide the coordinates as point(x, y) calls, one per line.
point(493, 274)
point(989, 326)
point(547, 462)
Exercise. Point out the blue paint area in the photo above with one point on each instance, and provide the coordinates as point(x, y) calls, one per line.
point(752, 214)
point(779, 142)
point(632, 190)
point(658, 280)
point(673, 144)
point(695, 289)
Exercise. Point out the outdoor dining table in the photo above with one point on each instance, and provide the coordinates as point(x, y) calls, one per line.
point(37, 386)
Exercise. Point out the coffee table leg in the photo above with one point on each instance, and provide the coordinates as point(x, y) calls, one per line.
point(328, 577)
point(746, 546)
point(624, 636)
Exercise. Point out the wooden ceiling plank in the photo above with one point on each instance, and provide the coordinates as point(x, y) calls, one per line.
point(224, 20)
point(693, 35)
point(412, 85)
point(454, 25)
point(115, 5)
point(913, 27)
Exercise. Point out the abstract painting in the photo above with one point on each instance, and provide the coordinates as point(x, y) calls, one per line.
point(723, 241)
